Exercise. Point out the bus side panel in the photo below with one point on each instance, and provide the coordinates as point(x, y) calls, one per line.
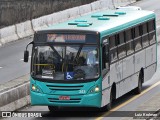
point(134, 79)
point(128, 66)
point(116, 76)
point(139, 61)
point(126, 84)
point(150, 62)
point(114, 73)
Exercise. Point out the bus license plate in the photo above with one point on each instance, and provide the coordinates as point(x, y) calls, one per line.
point(64, 98)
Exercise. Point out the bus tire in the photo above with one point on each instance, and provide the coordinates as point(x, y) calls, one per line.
point(138, 89)
point(53, 108)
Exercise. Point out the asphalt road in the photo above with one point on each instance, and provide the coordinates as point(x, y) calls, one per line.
point(125, 103)
point(11, 63)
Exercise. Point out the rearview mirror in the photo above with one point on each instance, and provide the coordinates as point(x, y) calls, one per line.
point(26, 56)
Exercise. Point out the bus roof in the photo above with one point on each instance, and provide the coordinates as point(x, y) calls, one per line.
point(105, 22)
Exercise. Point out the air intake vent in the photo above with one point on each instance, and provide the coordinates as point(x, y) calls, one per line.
point(103, 18)
point(100, 15)
point(120, 13)
point(111, 15)
point(80, 20)
point(84, 24)
point(80, 23)
point(64, 88)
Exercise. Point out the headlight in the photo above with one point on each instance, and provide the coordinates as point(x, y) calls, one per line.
point(95, 89)
point(35, 88)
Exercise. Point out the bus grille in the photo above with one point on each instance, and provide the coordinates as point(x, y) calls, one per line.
point(64, 88)
point(72, 100)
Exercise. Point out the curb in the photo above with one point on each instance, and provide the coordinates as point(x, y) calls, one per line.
point(14, 94)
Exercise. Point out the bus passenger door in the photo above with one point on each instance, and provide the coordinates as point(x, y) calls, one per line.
point(105, 75)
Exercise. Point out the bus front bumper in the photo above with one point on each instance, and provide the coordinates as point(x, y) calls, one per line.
point(88, 100)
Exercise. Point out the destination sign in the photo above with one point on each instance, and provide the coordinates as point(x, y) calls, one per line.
point(63, 38)
point(66, 38)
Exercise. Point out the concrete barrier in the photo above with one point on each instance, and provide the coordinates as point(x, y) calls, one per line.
point(14, 98)
point(73, 12)
point(95, 5)
point(39, 23)
point(24, 29)
point(84, 9)
point(118, 3)
point(14, 94)
point(8, 34)
point(63, 15)
point(132, 1)
point(52, 19)
point(106, 4)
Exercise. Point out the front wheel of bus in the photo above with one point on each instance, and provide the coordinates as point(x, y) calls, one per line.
point(53, 109)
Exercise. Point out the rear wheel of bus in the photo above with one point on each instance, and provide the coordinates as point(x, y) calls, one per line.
point(138, 89)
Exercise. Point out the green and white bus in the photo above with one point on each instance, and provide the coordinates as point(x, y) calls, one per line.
point(92, 60)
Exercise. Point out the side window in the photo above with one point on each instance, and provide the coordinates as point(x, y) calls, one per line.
point(145, 40)
point(121, 38)
point(151, 31)
point(144, 28)
point(113, 48)
point(121, 45)
point(129, 41)
point(137, 38)
point(105, 59)
point(136, 31)
point(128, 35)
point(151, 25)
point(130, 47)
point(112, 41)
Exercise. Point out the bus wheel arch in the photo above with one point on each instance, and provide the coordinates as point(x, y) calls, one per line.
point(113, 91)
point(138, 89)
point(142, 74)
point(112, 98)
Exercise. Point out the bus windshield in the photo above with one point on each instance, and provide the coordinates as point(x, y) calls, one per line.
point(69, 62)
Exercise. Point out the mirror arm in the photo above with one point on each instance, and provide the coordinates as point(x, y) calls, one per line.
point(29, 44)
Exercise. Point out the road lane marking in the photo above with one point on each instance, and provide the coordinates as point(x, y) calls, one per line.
point(1, 67)
point(130, 100)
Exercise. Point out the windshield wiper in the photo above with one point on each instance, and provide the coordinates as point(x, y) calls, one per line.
point(56, 52)
point(78, 53)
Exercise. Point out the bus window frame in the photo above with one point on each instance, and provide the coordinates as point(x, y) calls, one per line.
point(120, 45)
point(138, 38)
point(144, 35)
point(133, 40)
point(113, 48)
point(106, 49)
point(152, 33)
point(65, 44)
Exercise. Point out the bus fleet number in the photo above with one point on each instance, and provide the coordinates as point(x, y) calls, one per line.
point(82, 91)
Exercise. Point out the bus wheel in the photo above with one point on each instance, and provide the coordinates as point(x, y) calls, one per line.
point(53, 108)
point(138, 90)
